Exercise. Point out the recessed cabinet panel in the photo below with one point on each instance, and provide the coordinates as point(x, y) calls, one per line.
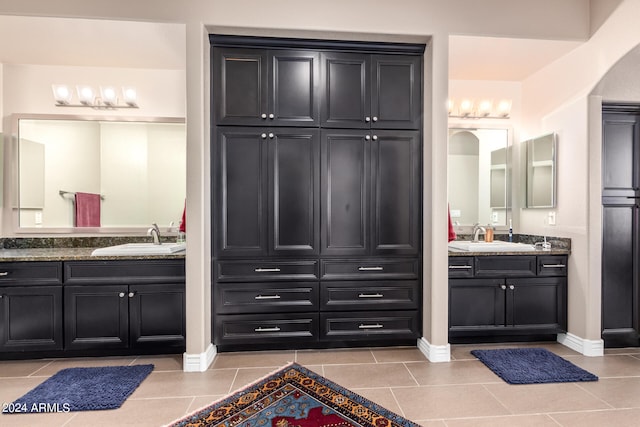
point(294, 99)
point(395, 192)
point(506, 265)
point(395, 98)
point(537, 303)
point(369, 325)
point(157, 315)
point(478, 303)
point(621, 174)
point(266, 297)
point(346, 95)
point(30, 318)
point(345, 166)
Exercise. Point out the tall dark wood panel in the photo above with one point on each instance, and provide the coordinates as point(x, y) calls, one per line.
point(621, 220)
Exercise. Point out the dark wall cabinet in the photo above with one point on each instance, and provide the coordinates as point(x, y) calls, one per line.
point(258, 87)
point(509, 295)
point(330, 174)
point(101, 307)
point(620, 226)
point(31, 306)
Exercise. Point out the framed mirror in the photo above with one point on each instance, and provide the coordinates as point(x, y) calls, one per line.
point(478, 176)
point(541, 171)
point(134, 168)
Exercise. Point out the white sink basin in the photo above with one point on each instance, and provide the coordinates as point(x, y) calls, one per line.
point(495, 246)
point(140, 249)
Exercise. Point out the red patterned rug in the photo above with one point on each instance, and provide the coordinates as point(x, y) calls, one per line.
point(294, 397)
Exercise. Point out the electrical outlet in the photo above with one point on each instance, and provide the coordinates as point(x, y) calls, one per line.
point(494, 217)
point(455, 213)
point(552, 218)
point(38, 218)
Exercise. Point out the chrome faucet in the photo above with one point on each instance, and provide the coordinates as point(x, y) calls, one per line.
point(154, 232)
point(477, 229)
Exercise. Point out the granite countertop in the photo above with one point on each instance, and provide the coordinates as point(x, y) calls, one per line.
point(559, 246)
point(70, 254)
point(461, 252)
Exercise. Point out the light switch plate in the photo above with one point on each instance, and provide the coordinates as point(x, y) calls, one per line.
point(552, 218)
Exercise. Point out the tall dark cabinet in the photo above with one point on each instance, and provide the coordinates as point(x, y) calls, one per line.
point(621, 225)
point(316, 192)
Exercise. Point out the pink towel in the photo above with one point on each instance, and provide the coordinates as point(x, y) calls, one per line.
point(452, 233)
point(87, 210)
point(183, 223)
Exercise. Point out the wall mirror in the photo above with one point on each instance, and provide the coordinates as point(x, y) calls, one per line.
point(136, 165)
point(541, 171)
point(478, 176)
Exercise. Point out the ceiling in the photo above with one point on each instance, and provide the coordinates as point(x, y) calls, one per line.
point(126, 44)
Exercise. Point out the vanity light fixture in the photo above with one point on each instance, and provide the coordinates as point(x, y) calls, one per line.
point(482, 109)
point(87, 97)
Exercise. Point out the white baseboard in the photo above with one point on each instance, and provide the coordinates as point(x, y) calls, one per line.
point(199, 362)
point(593, 348)
point(435, 353)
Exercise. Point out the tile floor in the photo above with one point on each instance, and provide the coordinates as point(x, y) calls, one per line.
point(460, 393)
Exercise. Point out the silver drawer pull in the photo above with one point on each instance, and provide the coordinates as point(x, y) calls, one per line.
point(267, 297)
point(370, 296)
point(376, 326)
point(4, 273)
point(267, 270)
point(261, 329)
point(460, 267)
point(370, 268)
point(553, 266)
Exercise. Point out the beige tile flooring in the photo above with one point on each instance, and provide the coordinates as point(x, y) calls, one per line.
point(460, 393)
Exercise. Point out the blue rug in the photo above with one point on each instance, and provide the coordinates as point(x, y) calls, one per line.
point(531, 366)
point(82, 389)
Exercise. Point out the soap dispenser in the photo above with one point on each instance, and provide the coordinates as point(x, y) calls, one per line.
point(488, 234)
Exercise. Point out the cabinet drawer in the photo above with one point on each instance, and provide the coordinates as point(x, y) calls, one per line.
point(36, 272)
point(552, 265)
point(370, 269)
point(251, 271)
point(265, 297)
point(120, 272)
point(505, 266)
point(265, 328)
point(461, 266)
point(369, 325)
point(385, 295)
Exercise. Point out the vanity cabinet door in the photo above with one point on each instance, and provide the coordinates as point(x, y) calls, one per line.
point(157, 315)
point(476, 306)
point(96, 317)
point(30, 318)
point(537, 304)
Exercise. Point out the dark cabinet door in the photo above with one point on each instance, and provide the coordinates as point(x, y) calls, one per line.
point(157, 315)
point(240, 192)
point(293, 88)
point(96, 317)
point(240, 86)
point(476, 306)
point(538, 303)
point(620, 231)
point(31, 318)
point(255, 87)
point(395, 192)
point(397, 92)
point(294, 184)
point(346, 94)
point(345, 164)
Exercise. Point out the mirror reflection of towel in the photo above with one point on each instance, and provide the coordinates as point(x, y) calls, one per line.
point(452, 233)
point(87, 210)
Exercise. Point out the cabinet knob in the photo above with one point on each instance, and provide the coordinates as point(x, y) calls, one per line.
point(4, 273)
point(263, 115)
point(271, 135)
point(503, 287)
point(367, 137)
point(263, 136)
point(132, 294)
point(512, 287)
point(121, 294)
point(271, 116)
point(367, 119)
point(375, 119)
point(374, 137)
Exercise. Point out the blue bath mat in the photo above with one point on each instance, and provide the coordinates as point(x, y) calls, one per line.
point(531, 366)
point(82, 389)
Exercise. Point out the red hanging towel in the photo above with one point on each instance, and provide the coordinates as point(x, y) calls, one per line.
point(87, 210)
point(452, 233)
point(183, 223)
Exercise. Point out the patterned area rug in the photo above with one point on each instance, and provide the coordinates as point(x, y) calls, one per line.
point(294, 397)
point(532, 366)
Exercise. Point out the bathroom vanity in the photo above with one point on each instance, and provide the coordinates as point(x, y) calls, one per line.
point(64, 302)
point(507, 296)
